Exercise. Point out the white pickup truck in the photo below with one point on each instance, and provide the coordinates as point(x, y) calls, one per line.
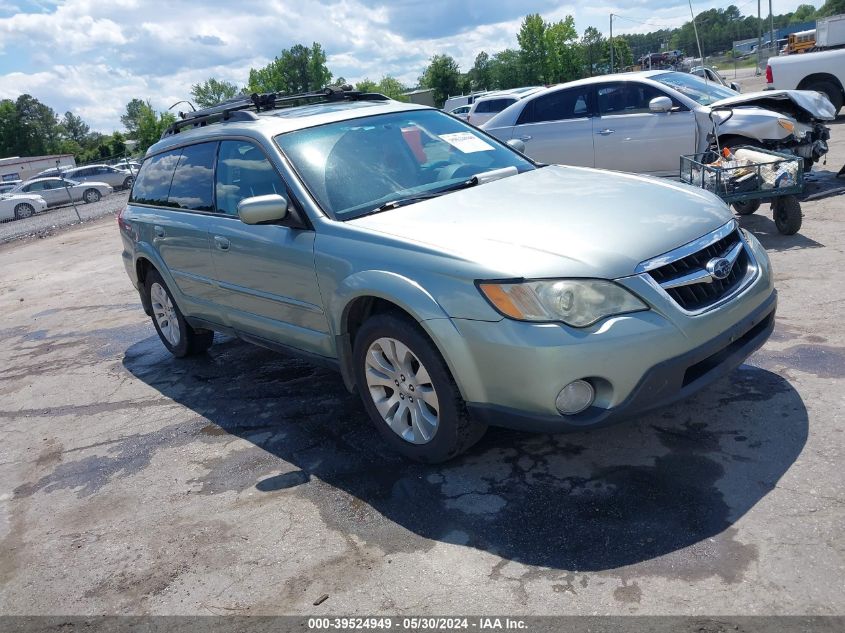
point(823, 71)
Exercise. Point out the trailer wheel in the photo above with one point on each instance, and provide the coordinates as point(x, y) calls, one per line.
point(746, 207)
point(786, 211)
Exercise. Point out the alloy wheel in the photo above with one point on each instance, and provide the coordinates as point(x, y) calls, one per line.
point(402, 390)
point(165, 314)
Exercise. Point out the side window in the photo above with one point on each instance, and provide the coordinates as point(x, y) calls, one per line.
point(36, 186)
point(243, 171)
point(627, 98)
point(152, 185)
point(573, 103)
point(192, 186)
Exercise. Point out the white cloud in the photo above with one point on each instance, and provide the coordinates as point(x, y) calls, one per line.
point(91, 57)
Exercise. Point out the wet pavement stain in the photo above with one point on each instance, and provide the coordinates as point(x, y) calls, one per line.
point(630, 593)
point(561, 503)
point(825, 361)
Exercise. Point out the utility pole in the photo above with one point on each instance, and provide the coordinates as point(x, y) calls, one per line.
point(759, 37)
point(611, 42)
point(772, 29)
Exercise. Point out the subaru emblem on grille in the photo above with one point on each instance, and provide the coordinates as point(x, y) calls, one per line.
point(719, 267)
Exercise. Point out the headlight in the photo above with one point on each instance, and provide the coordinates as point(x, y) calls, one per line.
point(576, 302)
point(787, 125)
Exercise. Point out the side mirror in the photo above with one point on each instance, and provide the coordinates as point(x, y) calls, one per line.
point(660, 104)
point(517, 144)
point(736, 87)
point(261, 209)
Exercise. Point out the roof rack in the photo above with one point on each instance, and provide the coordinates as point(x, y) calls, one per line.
point(245, 108)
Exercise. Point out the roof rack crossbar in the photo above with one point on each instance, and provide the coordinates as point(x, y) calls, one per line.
point(244, 108)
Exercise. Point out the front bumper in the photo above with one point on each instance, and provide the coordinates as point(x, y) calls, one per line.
point(662, 384)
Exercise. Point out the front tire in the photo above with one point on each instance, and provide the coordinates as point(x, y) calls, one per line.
point(23, 210)
point(409, 393)
point(128, 182)
point(91, 196)
point(175, 332)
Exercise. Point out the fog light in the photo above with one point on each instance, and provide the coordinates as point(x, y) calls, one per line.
point(575, 397)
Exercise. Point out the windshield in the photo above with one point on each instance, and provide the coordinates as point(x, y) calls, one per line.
point(704, 92)
point(354, 167)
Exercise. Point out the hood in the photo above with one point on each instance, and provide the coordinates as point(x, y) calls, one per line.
point(800, 104)
point(557, 221)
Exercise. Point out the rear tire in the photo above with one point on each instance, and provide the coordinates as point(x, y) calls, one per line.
point(91, 195)
point(786, 212)
point(831, 90)
point(175, 332)
point(746, 207)
point(393, 358)
point(23, 210)
point(128, 182)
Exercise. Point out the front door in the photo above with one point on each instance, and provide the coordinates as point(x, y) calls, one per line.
point(265, 273)
point(628, 136)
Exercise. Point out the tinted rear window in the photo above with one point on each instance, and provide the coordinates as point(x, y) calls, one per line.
point(193, 182)
point(152, 185)
point(493, 105)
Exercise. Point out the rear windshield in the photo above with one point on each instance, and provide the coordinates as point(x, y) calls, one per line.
point(352, 167)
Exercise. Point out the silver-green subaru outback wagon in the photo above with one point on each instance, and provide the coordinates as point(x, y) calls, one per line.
point(453, 282)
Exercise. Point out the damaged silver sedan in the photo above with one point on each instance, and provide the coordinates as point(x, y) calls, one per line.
point(642, 122)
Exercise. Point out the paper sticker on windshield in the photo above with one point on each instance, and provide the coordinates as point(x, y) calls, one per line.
point(466, 142)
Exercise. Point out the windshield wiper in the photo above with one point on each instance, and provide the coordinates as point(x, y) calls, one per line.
point(480, 178)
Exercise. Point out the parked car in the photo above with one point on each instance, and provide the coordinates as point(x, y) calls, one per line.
point(453, 282)
point(823, 71)
point(710, 74)
point(461, 112)
point(14, 207)
point(484, 108)
point(131, 166)
point(57, 191)
point(6, 187)
point(117, 178)
point(642, 122)
point(53, 172)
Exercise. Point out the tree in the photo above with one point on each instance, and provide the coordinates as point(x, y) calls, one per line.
point(131, 117)
point(442, 75)
point(75, 128)
point(151, 125)
point(591, 45)
point(563, 55)
point(480, 75)
point(532, 49)
point(211, 92)
point(366, 85)
point(297, 69)
point(506, 70)
point(831, 7)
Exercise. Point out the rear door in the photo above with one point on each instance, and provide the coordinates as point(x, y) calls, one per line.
point(265, 273)
point(557, 127)
point(628, 136)
point(174, 200)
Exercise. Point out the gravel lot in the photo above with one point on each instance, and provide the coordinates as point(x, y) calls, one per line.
point(245, 482)
point(55, 218)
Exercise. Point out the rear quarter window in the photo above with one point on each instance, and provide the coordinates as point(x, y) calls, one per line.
point(152, 186)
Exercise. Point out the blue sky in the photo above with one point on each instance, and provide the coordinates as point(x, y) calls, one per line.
point(92, 56)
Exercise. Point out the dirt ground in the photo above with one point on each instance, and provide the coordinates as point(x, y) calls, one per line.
point(245, 482)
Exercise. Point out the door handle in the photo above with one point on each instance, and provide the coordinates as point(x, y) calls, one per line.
point(158, 230)
point(221, 243)
point(606, 131)
point(527, 137)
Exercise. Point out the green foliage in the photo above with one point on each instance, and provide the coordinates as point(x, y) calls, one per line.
point(151, 125)
point(131, 117)
point(481, 75)
point(297, 69)
point(830, 7)
point(211, 92)
point(442, 75)
point(388, 86)
point(506, 70)
point(533, 49)
point(563, 54)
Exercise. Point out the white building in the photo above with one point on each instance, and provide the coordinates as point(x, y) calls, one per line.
point(17, 168)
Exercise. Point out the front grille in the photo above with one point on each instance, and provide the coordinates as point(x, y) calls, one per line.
point(698, 296)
